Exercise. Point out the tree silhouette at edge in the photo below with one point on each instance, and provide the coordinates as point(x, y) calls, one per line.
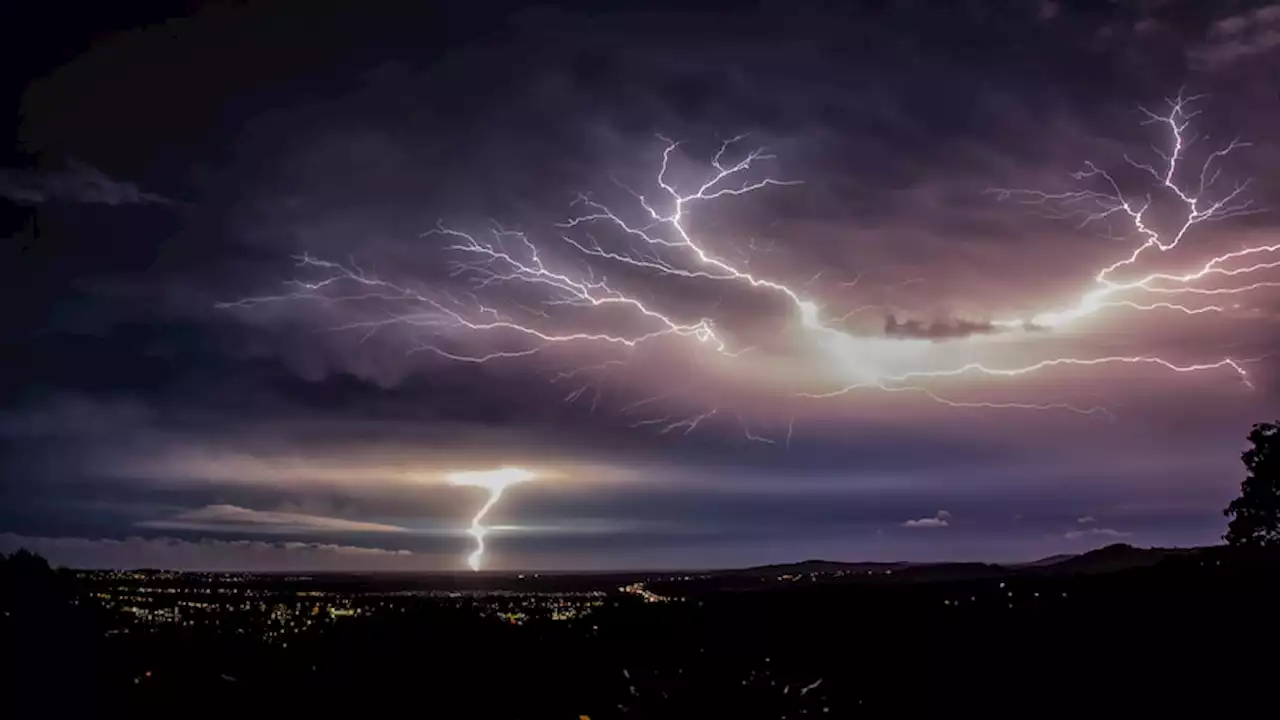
point(1255, 515)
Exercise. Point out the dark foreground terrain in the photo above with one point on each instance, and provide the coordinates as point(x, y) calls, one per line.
point(1116, 633)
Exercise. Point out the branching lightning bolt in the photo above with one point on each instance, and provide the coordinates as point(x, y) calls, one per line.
point(661, 244)
point(1096, 205)
point(1091, 206)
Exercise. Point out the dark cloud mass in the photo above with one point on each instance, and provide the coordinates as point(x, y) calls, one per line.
point(77, 183)
point(256, 255)
point(936, 330)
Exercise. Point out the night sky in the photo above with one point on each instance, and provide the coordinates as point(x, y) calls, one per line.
point(232, 340)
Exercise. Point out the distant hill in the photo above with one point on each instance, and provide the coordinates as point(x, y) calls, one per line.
point(943, 572)
point(1043, 562)
point(1119, 556)
point(869, 571)
point(805, 567)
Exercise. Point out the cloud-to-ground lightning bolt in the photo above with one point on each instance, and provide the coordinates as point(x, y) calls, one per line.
point(495, 482)
point(662, 245)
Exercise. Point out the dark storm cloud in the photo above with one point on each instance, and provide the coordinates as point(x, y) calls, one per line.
point(1239, 37)
point(936, 330)
point(133, 397)
point(276, 415)
point(79, 183)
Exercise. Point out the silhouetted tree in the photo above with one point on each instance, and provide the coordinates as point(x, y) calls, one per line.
point(26, 581)
point(1255, 515)
point(26, 564)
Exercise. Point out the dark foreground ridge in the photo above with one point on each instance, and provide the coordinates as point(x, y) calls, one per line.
point(1120, 630)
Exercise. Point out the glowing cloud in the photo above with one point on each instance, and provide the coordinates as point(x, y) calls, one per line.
point(940, 519)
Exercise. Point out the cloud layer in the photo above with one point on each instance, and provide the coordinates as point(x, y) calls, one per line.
point(229, 518)
point(1096, 533)
point(212, 555)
